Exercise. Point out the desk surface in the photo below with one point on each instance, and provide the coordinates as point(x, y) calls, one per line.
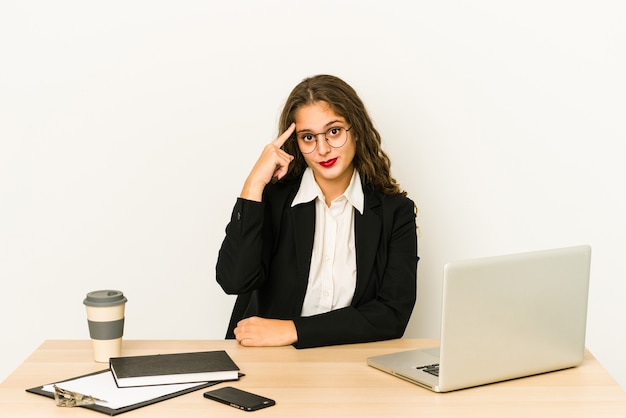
point(323, 382)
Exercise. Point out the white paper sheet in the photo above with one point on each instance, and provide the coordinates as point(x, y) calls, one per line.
point(102, 386)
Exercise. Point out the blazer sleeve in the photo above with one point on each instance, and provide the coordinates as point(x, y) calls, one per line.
point(239, 266)
point(384, 312)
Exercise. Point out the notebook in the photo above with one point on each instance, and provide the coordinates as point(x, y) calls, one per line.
point(503, 317)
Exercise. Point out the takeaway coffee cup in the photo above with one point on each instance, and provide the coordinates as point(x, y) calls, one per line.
point(105, 316)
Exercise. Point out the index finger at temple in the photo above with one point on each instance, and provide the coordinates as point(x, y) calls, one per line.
point(285, 135)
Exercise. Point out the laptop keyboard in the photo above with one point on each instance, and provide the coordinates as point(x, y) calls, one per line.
point(431, 369)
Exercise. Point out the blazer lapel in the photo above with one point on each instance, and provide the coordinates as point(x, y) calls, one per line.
point(367, 229)
point(304, 232)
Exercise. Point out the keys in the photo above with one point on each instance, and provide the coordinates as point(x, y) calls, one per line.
point(431, 369)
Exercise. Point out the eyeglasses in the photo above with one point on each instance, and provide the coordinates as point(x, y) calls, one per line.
point(336, 137)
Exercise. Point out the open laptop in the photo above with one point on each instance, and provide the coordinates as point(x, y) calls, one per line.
point(502, 318)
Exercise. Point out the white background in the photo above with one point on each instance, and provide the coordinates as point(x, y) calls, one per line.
point(128, 127)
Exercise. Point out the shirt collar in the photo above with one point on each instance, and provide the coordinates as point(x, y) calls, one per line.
point(309, 190)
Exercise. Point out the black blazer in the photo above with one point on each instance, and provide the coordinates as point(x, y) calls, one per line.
point(266, 255)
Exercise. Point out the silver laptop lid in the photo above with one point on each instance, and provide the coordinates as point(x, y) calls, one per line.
point(512, 316)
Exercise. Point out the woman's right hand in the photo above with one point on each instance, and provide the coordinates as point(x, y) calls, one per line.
point(273, 162)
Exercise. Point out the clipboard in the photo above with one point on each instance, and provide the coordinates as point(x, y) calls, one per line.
point(166, 392)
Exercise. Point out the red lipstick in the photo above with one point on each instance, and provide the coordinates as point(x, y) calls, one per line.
point(328, 163)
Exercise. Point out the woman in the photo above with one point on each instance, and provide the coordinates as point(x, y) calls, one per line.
point(321, 246)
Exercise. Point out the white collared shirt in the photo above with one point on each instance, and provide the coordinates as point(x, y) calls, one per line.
point(332, 276)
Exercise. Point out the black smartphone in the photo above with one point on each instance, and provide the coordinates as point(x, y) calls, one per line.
point(238, 398)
